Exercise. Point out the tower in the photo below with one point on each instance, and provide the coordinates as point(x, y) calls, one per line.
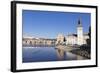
point(79, 33)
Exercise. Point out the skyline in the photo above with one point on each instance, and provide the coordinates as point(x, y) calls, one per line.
point(48, 24)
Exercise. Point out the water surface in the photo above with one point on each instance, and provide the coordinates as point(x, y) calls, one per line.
point(40, 54)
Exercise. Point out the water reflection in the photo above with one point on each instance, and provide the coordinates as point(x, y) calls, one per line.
point(61, 54)
point(67, 55)
point(41, 54)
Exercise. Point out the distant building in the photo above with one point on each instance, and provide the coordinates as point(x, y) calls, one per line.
point(38, 42)
point(80, 38)
point(60, 39)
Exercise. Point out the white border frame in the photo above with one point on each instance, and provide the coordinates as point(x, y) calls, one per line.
point(21, 66)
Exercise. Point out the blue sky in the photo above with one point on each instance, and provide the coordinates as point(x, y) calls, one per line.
point(48, 24)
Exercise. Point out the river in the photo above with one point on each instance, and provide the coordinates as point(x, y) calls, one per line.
point(44, 54)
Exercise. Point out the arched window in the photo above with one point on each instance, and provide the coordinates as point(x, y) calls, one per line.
point(26, 42)
point(30, 42)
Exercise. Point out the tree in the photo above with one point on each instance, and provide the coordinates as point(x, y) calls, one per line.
point(89, 34)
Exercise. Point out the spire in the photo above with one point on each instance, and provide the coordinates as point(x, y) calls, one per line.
point(79, 23)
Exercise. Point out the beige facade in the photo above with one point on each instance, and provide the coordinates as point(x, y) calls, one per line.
point(60, 39)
